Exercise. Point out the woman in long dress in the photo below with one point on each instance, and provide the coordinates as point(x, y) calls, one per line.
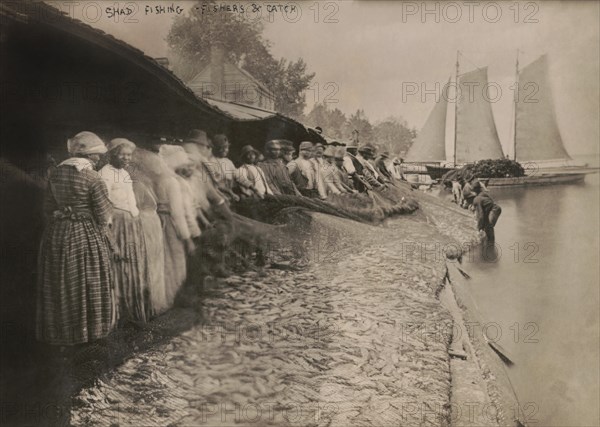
point(75, 299)
point(145, 170)
point(129, 271)
point(172, 212)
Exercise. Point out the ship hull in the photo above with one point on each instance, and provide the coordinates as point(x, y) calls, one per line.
point(541, 179)
point(436, 172)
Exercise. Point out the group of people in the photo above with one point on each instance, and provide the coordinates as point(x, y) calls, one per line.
point(315, 171)
point(122, 222)
point(473, 195)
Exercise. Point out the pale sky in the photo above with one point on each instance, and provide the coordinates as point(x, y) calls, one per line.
point(375, 48)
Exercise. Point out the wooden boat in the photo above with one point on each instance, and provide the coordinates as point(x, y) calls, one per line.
point(436, 172)
point(537, 143)
point(541, 179)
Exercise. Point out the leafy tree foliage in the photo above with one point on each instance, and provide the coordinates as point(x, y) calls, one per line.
point(192, 35)
point(391, 134)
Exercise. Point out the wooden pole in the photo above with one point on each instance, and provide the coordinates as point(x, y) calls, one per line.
point(516, 100)
point(456, 107)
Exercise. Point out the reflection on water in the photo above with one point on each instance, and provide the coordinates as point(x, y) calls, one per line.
point(543, 291)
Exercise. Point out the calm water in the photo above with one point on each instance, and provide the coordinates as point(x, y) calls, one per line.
point(543, 294)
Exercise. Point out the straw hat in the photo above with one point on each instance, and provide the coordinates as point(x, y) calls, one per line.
point(305, 145)
point(367, 148)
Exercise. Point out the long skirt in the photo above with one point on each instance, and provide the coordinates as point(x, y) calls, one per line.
point(130, 273)
point(75, 298)
point(175, 262)
point(153, 236)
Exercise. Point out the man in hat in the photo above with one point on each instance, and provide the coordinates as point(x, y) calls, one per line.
point(338, 159)
point(287, 151)
point(331, 173)
point(203, 180)
point(252, 173)
point(223, 167)
point(319, 165)
point(365, 154)
point(303, 171)
point(276, 173)
point(353, 167)
point(486, 210)
point(382, 167)
point(199, 148)
point(227, 172)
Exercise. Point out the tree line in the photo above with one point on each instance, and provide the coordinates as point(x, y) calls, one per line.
point(192, 35)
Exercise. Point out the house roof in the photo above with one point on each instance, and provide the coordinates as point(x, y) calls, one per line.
point(241, 111)
point(39, 13)
point(42, 13)
point(250, 76)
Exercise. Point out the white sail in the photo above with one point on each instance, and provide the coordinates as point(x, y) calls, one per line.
point(476, 134)
point(430, 143)
point(537, 135)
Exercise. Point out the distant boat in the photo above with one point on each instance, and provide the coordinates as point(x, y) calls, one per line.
point(537, 143)
point(475, 134)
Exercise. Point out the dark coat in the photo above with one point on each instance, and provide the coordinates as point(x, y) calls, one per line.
point(487, 211)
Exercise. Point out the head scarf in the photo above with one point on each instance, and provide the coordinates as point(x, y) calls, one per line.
point(85, 143)
point(120, 142)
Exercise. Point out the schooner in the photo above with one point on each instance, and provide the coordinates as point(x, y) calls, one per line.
point(536, 136)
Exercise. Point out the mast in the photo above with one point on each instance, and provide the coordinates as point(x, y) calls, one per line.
point(456, 108)
point(515, 100)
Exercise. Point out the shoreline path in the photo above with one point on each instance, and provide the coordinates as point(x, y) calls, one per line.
point(358, 337)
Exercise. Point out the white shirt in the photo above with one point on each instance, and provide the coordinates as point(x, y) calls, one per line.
point(227, 167)
point(255, 175)
point(348, 165)
point(120, 189)
point(307, 169)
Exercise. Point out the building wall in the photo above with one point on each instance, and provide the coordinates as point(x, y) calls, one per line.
point(237, 87)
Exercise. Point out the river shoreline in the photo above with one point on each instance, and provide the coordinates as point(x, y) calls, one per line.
point(358, 336)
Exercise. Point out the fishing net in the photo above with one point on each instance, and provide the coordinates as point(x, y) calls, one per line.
point(253, 232)
point(370, 207)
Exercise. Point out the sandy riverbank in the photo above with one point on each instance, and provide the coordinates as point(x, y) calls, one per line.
point(357, 336)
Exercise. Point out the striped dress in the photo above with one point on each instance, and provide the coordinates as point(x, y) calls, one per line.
point(75, 296)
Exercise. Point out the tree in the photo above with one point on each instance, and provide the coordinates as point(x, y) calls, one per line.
point(192, 35)
point(393, 134)
point(360, 122)
point(331, 121)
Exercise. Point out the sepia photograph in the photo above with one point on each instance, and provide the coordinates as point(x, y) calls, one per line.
point(300, 213)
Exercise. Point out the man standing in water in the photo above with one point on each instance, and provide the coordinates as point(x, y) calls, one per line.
point(486, 210)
